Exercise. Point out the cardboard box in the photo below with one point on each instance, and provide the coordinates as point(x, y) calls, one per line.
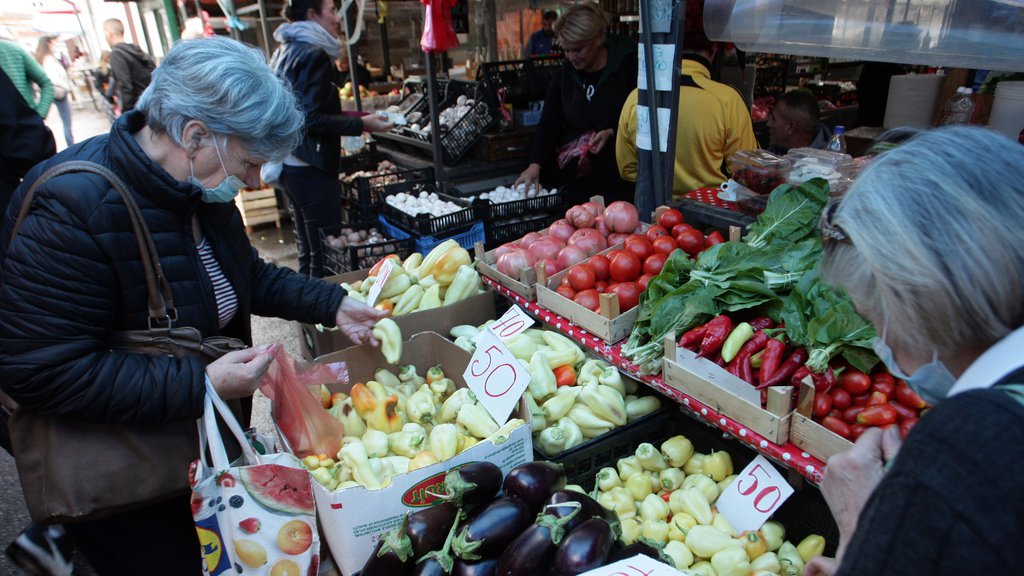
point(355, 518)
point(474, 310)
point(712, 385)
point(810, 436)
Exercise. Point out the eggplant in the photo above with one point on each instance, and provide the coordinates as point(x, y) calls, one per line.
point(533, 482)
point(637, 548)
point(585, 548)
point(438, 562)
point(589, 508)
point(491, 529)
point(473, 484)
point(531, 552)
point(429, 567)
point(429, 527)
point(483, 567)
point(393, 554)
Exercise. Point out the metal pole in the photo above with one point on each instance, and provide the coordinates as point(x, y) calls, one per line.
point(384, 46)
point(263, 26)
point(435, 125)
point(649, 192)
point(351, 62)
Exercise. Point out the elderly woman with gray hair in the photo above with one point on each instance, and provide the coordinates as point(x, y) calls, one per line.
point(927, 244)
point(72, 276)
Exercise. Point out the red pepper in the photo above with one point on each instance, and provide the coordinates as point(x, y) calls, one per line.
point(718, 329)
point(740, 365)
point(798, 377)
point(877, 398)
point(905, 425)
point(692, 338)
point(761, 322)
point(838, 426)
point(877, 415)
point(746, 372)
point(856, 430)
point(902, 410)
point(786, 369)
point(905, 395)
point(665, 495)
point(822, 404)
point(774, 350)
point(830, 379)
point(850, 414)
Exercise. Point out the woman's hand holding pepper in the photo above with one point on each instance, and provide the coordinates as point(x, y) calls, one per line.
point(238, 374)
point(356, 321)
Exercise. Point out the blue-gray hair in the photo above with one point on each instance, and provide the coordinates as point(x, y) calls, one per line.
point(934, 249)
point(229, 87)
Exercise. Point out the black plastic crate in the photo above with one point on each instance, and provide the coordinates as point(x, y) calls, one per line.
point(520, 82)
point(366, 191)
point(502, 231)
point(546, 204)
point(352, 258)
point(427, 225)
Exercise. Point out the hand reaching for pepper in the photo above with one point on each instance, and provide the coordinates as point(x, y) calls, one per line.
point(356, 321)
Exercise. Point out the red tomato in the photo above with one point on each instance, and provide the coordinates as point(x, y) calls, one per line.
point(670, 218)
point(640, 246)
point(629, 295)
point(838, 426)
point(581, 277)
point(564, 281)
point(655, 232)
point(840, 398)
point(679, 229)
point(822, 405)
point(599, 264)
point(589, 299)
point(850, 414)
point(856, 430)
point(665, 244)
point(861, 400)
point(856, 382)
point(625, 267)
point(884, 383)
point(713, 238)
point(566, 292)
point(654, 263)
point(611, 254)
point(644, 281)
point(691, 241)
point(601, 286)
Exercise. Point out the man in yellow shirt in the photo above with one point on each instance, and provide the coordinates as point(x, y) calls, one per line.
point(713, 121)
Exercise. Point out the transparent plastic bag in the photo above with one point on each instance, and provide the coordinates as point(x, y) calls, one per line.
point(294, 388)
point(579, 149)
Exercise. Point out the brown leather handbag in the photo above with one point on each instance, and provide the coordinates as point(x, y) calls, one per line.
point(73, 470)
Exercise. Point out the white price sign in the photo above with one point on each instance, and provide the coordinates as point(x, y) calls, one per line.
point(382, 278)
point(639, 565)
point(754, 496)
point(496, 376)
point(513, 322)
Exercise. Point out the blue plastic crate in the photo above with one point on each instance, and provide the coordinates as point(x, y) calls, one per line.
point(425, 244)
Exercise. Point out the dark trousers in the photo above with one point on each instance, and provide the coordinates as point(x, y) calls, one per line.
point(154, 540)
point(315, 204)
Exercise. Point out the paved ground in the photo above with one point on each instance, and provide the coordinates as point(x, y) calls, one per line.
point(274, 245)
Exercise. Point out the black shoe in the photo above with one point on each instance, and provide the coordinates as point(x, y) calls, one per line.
point(43, 551)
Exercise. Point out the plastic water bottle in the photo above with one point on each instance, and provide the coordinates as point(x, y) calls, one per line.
point(838, 141)
point(959, 108)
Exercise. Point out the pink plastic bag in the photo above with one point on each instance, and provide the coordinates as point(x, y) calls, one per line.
point(438, 32)
point(294, 389)
point(579, 148)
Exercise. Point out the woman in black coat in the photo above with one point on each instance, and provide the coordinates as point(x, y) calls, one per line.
point(309, 46)
point(72, 276)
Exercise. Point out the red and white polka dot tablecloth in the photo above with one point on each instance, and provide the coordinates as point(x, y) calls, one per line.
point(787, 454)
point(709, 196)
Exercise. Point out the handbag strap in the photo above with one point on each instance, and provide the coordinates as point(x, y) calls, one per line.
point(161, 304)
point(209, 433)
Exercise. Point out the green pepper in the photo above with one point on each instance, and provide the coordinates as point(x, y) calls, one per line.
point(477, 421)
point(521, 346)
point(551, 441)
point(737, 338)
point(610, 377)
point(390, 337)
point(573, 434)
point(409, 441)
point(420, 408)
point(444, 441)
point(542, 378)
point(605, 401)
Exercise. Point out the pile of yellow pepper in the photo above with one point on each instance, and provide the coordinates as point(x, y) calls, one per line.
point(572, 398)
point(395, 424)
point(667, 496)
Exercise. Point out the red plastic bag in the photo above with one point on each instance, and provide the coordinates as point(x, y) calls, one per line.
point(294, 389)
point(579, 148)
point(438, 32)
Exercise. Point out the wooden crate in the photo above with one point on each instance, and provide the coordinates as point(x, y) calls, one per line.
point(258, 207)
point(810, 436)
point(610, 324)
point(524, 285)
point(712, 385)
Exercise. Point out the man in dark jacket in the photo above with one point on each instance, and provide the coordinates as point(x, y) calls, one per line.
point(794, 122)
point(130, 66)
point(24, 139)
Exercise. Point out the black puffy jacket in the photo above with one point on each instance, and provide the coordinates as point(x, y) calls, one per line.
point(72, 276)
point(312, 74)
point(132, 69)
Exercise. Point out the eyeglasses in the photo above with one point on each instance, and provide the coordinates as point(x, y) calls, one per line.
point(829, 230)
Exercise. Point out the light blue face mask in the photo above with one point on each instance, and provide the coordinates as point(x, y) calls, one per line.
point(226, 190)
point(931, 381)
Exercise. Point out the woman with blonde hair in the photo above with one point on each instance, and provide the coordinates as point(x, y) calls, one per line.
point(61, 83)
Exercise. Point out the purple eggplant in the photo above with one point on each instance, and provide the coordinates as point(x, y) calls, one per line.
point(534, 482)
point(429, 567)
point(438, 562)
point(530, 554)
point(393, 554)
point(488, 531)
point(640, 547)
point(483, 567)
point(473, 484)
point(428, 527)
point(589, 508)
point(585, 548)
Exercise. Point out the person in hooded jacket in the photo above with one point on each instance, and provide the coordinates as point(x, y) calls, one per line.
point(72, 276)
point(309, 47)
point(131, 67)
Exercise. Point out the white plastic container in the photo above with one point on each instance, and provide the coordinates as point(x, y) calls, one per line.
point(976, 34)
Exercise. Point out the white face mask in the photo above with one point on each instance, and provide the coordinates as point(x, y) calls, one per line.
point(226, 190)
point(931, 381)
